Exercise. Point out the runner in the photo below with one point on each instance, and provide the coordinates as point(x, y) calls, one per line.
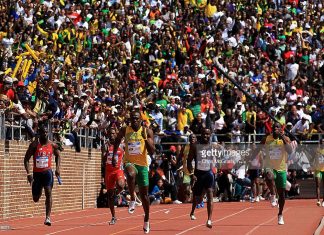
point(138, 144)
point(319, 171)
point(114, 175)
point(202, 176)
point(277, 148)
point(42, 177)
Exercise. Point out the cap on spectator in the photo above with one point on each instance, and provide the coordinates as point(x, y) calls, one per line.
point(56, 81)
point(14, 79)
point(61, 84)
point(102, 90)
point(299, 104)
point(83, 95)
point(313, 106)
point(20, 83)
point(239, 103)
point(76, 97)
point(289, 124)
point(293, 88)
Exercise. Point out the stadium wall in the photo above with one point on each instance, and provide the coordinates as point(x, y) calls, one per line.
point(80, 174)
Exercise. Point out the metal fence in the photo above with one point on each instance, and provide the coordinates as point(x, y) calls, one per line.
point(13, 127)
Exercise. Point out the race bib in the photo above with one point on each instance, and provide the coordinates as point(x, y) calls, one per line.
point(134, 148)
point(42, 162)
point(275, 153)
point(109, 158)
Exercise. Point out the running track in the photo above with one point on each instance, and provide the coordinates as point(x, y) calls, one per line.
point(301, 217)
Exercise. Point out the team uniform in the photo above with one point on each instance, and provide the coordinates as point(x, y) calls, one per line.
point(276, 160)
point(203, 172)
point(112, 174)
point(42, 168)
point(136, 155)
point(319, 163)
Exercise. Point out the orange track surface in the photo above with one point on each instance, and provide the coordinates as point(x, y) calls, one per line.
point(301, 217)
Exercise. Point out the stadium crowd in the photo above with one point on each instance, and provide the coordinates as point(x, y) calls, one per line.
point(87, 63)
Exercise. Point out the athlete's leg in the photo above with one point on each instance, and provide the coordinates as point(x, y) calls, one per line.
point(318, 182)
point(48, 201)
point(130, 171)
point(37, 187)
point(210, 203)
point(145, 201)
point(281, 201)
point(270, 181)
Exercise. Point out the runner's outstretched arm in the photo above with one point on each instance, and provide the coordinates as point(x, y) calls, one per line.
point(57, 160)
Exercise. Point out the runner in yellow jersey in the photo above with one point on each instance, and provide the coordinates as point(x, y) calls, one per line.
point(138, 145)
point(319, 171)
point(277, 148)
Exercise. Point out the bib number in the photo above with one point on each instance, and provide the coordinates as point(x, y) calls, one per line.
point(134, 148)
point(275, 153)
point(41, 162)
point(204, 165)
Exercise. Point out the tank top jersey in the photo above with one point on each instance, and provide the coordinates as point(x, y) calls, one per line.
point(319, 160)
point(135, 150)
point(118, 157)
point(276, 155)
point(43, 157)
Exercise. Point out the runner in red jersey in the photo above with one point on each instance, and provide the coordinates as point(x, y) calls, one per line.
point(42, 151)
point(114, 176)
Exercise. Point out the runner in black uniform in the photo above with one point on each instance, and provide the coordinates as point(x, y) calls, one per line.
point(202, 176)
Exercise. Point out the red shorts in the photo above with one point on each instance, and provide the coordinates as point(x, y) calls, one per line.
point(112, 177)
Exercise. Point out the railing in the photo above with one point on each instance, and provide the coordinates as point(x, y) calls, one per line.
point(12, 127)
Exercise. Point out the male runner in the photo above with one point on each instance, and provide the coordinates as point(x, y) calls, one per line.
point(114, 175)
point(42, 151)
point(138, 144)
point(319, 171)
point(202, 175)
point(277, 148)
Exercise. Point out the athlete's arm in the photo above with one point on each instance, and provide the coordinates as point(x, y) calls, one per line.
point(57, 155)
point(149, 142)
point(29, 153)
point(120, 136)
point(191, 156)
point(287, 142)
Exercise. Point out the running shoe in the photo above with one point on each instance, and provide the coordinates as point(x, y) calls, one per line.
point(131, 207)
point(209, 224)
point(48, 221)
point(257, 199)
point(261, 198)
point(280, 220)
point(323, 204)
point(193, 217)
point(176, 202)
point(146, 227)
point(273, 201)
point(113, 221)
point(318, 203)
point(253, 200)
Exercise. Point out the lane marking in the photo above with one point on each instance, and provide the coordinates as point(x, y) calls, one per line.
point(82, 226)
point(268, 221)
point(215, 221)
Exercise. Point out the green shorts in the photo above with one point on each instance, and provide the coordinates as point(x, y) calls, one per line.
point(280, 178)
point(186, 179)
point(319, 174)
point(142, 177)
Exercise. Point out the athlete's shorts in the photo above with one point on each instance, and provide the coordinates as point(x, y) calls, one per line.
point(253, 174)
point(41, 180)
point(142, 178)
point(186, 179)
point(319, 174)
point(112, 177)
point(280, 178)
point(205, 180)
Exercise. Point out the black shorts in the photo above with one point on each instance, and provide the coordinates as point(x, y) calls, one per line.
point(41, 180)
point(254, 173)
point(205, 180)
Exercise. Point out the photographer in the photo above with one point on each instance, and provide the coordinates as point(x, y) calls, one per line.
point(157, 193)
